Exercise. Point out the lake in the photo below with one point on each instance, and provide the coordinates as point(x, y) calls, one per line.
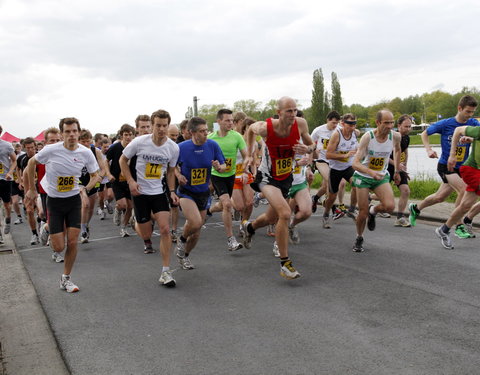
point(419, 164)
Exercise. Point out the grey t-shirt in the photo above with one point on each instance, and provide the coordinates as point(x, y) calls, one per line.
point(6, 149)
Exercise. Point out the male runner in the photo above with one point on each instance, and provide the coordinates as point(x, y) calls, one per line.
point(230, 142)
point(451, 180)
point(370, 164)
point(470, 172)
point(8, 160)
point(173, 134)
point(197, 157)
point(123, 207)
point(156, 161)
point(341, 149)
point(274, 177)
point(64, 163)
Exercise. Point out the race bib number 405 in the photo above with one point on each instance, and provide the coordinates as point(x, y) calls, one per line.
point(283, 166)
point(376, 164)
point(198, 176)
point(153, 171)
point(65, 183)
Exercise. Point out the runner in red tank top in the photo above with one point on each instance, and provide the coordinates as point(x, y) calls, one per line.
point(274, 177)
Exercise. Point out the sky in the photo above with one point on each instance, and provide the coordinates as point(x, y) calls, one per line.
point(105, 62)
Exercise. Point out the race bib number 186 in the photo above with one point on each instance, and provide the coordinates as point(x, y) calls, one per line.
point(283, 166)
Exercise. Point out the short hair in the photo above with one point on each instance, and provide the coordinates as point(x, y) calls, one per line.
point(50, 130)
point(300, 113)
point(141, 118)
point(104, 141)
point(69, 121)
point(126, 128)
point(161, 114)
point(183, 125)
point(85, 134)
point(1, 129)
point(194, 123)
point(467, 101)
point(349, 116)
point(40, 143)
point(98, 137)
point(223, 111)
point(379, 116)
point(402, 118)
point(333, 115)
point(239, 116)
point(27, 141)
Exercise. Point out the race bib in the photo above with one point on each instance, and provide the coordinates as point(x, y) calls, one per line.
point(376, 164)
point(198, 176)
point(325, 143)
point(344, 160)
point(1, 169)
point(65, 183)
point(403, 157)
point(228, 163)
point(153, 171)
point(283, 166)
point(460, 152)
point(238, 169)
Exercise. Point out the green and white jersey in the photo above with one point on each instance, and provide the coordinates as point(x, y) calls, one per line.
point(378, 154)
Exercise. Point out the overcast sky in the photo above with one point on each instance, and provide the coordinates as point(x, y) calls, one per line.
point(105, 62)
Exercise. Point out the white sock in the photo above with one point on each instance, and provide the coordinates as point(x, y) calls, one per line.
point(165, 269)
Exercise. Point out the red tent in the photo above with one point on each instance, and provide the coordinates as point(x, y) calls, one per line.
point(9, 137)
point(40, 137)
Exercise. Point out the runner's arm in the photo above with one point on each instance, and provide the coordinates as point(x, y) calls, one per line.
point(30, 191)
point(426, 142)
point(396, 156)
point(13, 165)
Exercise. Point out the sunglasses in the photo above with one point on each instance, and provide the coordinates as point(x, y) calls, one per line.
point(354, 122)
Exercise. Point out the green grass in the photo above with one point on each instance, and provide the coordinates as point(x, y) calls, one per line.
point(420, 188)
point(416, 140)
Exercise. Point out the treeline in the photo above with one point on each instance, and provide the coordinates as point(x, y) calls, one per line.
point(425, 108)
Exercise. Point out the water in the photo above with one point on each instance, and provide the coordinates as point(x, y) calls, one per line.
point(420, 165)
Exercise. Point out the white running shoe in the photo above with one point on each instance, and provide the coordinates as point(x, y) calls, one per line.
point(57, 257)
point(402, 222)
point(247, 237)
point(288, 271)
point(326, 222)
point(294, 235)
point(99, 211)
point(34, 240)
point(84, 237)
point(124, 233)
point(1, 238)
point(43, 234)
point(186, 263)
point(233, 244)
point(18, 221)
point(167, 279)
point(102, 215)
point(445, 238)
point(276, 250)
point(67, 284)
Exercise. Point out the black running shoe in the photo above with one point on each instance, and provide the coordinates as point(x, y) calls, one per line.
point(371, 220)
point(358, 245)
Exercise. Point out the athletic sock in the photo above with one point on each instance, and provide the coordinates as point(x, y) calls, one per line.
point(283, 261)
point(445, 229)
point(83, 228)
point(147, 242)
point(250, 228)
point(165, 269)
point(415, 208)
point(183, 239)
point(399, 215)
point(7, 220)
point(467, 220)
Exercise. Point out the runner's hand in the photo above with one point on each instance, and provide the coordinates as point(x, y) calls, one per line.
point(432, 154)
point(134, 188)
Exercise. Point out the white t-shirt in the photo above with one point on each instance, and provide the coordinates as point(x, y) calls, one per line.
point(63, 168)
point(152, 162)
point(6, 149)
point(321, 136)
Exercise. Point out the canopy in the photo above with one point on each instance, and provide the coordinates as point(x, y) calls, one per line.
point(40, 137)
point(9, 137)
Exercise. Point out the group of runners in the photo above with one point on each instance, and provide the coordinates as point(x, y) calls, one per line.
point(157, 169)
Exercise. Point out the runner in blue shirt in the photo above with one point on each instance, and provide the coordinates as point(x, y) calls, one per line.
point(197, 157)
point(451, 180)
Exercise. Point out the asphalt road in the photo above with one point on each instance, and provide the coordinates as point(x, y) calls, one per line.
point(404, 306)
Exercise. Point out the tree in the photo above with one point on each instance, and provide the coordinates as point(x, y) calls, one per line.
point(317, 112)
point(249, 107)
point(336, 101)
point(326, 106)
point(209, 112)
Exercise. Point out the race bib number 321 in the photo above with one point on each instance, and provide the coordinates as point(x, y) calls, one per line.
point(65, 183)
point(198, 176)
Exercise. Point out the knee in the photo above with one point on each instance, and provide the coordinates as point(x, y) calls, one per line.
point(284, 214)
point(389, 206)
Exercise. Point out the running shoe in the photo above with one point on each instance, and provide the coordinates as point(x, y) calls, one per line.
point(167, 279)
point(34, 240)
point(18, 221)
point(109, 207)
point(402, 222)
point(180, 249)
point(338, 213)
point(174, 235)
point(358, 245)
point(385, 215)
point(352, 214)
point(233, 244)
point(414, 212)
point(99, 211)
point(6, 228)
point(124, 233)
point(288, 271)
point(132, 221)
point(469, 229)
point(148, 249)
point(294, 235)
point(256, 199)
point(241, 232)
point(57, 257)
point(247, 236)
point(186, 263)
point(314, 203)
point(276, 250)
point(102, 215)
point(326, 222)
point(84, 237)
point(67, 284)
point(1, 238)
point(445, 238)
point(371, 220)
point(342, 207)
point(44, 234)
point(271, 230)
point(461, 232)
point(116, 217)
